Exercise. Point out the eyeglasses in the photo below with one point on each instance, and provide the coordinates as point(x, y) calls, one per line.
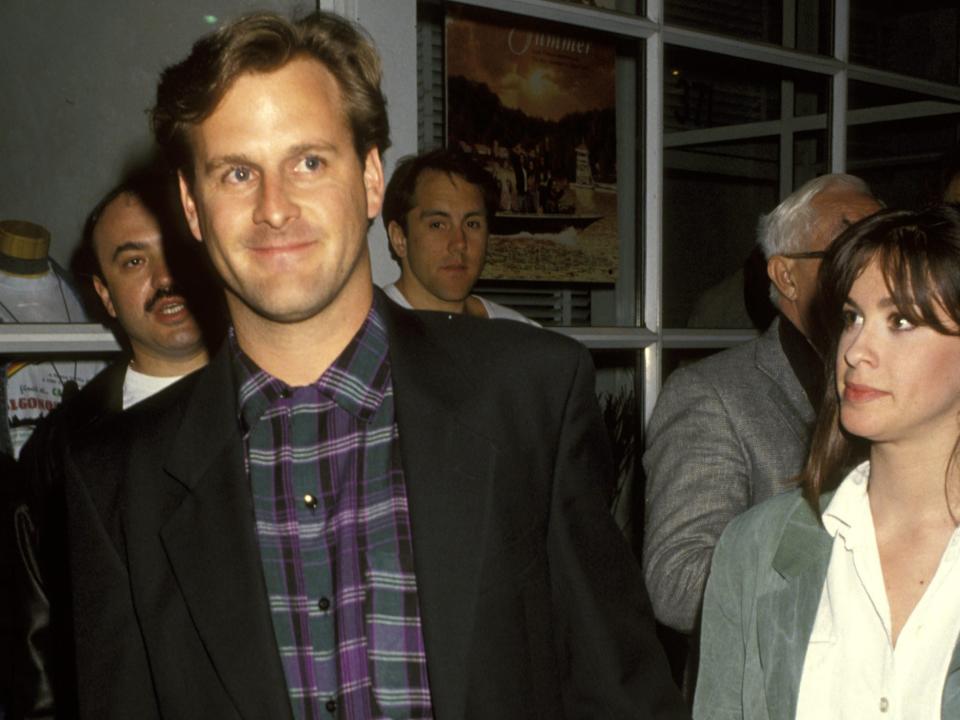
point(811, 255)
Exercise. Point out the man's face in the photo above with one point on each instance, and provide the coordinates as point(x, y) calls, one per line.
point(835, 210)
point(280, 198)
point(443, 250)
point(137, 289)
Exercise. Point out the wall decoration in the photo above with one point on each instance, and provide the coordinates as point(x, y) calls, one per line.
point(535, 104)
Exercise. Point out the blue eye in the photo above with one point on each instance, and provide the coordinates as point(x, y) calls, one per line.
point(239, 174)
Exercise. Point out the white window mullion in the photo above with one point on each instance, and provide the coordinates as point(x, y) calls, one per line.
point(839, 87)
point(652, 189)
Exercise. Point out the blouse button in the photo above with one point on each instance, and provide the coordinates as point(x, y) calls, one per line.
point(884, 704)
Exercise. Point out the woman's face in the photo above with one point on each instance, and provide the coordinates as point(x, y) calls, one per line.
point(898, 383)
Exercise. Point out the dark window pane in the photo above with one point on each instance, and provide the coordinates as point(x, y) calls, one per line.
point(724, 120)
point(807, 29)
point(901, 157)
point(703, 90)
point(914, 38)
point(811, 156)
point(709, 225)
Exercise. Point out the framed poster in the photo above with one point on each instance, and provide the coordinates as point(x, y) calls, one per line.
point(534, 103)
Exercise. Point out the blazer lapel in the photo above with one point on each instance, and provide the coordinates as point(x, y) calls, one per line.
point(112, 396)
point(448, 468)
point(211, 543)
point(785, 615)
point(950, 704)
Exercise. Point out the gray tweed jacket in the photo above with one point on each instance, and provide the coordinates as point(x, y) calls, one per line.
point(727, 432)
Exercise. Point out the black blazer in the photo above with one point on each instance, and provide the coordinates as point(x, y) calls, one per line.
point(531, 603)
point(40, 647)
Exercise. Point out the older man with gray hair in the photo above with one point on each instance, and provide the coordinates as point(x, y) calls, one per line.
point(733, 429)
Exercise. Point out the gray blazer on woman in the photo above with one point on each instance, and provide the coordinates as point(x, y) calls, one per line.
point(761, 601)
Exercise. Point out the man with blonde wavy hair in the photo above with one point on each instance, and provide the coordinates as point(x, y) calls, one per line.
point(346, 513)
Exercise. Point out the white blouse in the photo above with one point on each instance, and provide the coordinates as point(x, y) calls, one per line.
point(851, 669)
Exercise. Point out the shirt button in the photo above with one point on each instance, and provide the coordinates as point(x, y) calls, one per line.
point(286, 393)
point(331, 705)
point(884, 704)
point(324, 604)
point(310, 501)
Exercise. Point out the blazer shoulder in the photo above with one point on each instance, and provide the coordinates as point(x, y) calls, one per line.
point(414, 332)
point(143, 422)
point(760, 527)
point(729, 379)
point(101, 396)
point(484, 341)
point(735, 361)
point(98, 399)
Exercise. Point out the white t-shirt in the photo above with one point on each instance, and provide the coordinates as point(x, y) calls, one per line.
point(137, 386)
point(35, 387)
point(851, 670)
point(492, 309)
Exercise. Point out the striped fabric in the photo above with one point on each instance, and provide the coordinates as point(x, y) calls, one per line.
point(334, 534)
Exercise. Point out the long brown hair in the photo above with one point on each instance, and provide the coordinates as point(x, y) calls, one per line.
point(918, 253)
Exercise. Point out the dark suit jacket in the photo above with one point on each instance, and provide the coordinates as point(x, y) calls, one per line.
point(40, 648)
point(531, 604)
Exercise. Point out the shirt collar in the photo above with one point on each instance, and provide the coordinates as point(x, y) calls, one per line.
point(804, 361)
point(848, 514)
point(357, 381)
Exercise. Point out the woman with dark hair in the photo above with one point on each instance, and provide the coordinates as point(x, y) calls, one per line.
point(841, 600)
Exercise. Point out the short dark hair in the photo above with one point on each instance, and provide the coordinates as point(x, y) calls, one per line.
point(156, 189)
point(190, 91)
point(398, 200)
point(918, 253)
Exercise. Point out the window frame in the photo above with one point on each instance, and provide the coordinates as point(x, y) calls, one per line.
point(647, 337)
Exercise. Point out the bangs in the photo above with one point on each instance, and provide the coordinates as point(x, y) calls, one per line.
point(914, 273)
point(918, 253)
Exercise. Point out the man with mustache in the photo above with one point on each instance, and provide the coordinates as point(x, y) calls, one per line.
point(131, 240)
point(437, 211)
point(133, 278)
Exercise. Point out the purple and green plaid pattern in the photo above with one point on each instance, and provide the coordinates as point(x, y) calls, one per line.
point(334, 534)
